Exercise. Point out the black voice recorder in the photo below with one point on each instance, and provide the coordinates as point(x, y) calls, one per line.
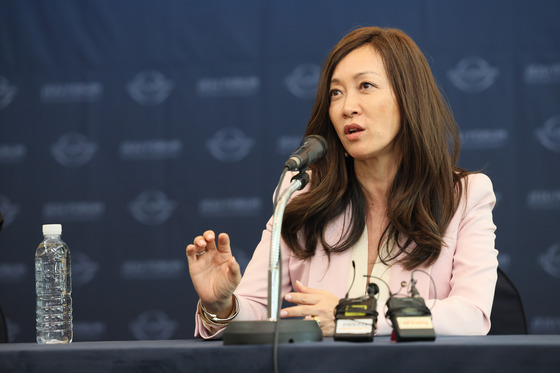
point(356, 318)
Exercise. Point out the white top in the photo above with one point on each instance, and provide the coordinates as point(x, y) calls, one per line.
point(49, 229)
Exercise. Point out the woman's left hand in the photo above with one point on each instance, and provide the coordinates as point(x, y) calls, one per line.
point(314, 304)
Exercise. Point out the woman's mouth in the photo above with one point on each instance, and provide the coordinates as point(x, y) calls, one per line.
point(352, 131)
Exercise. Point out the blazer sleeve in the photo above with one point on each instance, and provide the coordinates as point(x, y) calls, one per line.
point(465, 310)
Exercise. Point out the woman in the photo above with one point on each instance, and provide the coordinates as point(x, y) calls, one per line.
point(387, 198)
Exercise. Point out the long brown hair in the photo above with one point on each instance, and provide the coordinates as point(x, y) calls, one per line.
point(427, 185)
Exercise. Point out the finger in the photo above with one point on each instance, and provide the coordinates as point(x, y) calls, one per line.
point(205, 243)
point(194, 255)
point(307, 290)
point(196, 249)
point(224, 245)
point(297, 311)
point(301, 287)
point(200, 243)
point(210, 238)
point(234, 270)
point(302, 299)
point(191, 252)
point(209, 235)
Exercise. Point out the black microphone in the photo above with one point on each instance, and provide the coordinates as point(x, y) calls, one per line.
point(413, 291)
point(311, 149)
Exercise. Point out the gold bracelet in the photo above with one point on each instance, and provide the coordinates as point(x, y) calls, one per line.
point(214, 319)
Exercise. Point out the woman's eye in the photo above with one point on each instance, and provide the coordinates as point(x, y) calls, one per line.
point(334, 92)
point(366, 85)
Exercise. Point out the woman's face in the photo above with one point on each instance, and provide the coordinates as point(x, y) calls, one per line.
point(363, 107)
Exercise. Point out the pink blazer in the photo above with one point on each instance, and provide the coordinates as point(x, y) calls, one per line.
point(464, 275)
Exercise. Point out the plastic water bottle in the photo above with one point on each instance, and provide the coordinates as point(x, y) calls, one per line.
point(53, 284)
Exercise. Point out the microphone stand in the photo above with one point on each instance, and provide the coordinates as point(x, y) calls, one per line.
point(288, 330)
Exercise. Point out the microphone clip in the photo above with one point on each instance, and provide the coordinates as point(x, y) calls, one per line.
point(303, 177)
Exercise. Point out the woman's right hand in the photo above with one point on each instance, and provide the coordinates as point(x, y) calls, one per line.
point(214, 272)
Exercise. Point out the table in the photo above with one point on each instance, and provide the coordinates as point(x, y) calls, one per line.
point(523, 353)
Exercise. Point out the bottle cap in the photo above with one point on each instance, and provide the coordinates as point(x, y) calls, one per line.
point(52, 229)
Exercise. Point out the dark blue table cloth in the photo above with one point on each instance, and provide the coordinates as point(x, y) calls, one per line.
point(525, 353)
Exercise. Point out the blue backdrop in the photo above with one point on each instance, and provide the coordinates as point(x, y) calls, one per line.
point(139, 124)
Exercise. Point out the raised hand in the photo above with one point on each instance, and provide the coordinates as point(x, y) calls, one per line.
point(214, 272)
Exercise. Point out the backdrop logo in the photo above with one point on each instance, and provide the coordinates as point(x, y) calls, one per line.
point(153, 324)
point(228, 86)
point(74, 211)
point(12, 153)
point(152, 269)
point(83, 268)
point(151, 149)
point(152, 207)
point(473, 75)
point(12, 272)
point(73, 150)
point(302, 81)
point(285, 145)
point(228, 207)
point(150, 88)
point(545, 325)
point(542, 74)
point(71, 92)
point(229, 145)
point(9, 210)
point(484, 138)
point(550, 260)
point(544, 199)
point(549, 134)
point(7, 92)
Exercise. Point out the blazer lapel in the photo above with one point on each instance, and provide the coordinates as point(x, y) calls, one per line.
point(332, 276)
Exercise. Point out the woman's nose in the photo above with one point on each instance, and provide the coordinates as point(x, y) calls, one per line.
point(351, 105)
